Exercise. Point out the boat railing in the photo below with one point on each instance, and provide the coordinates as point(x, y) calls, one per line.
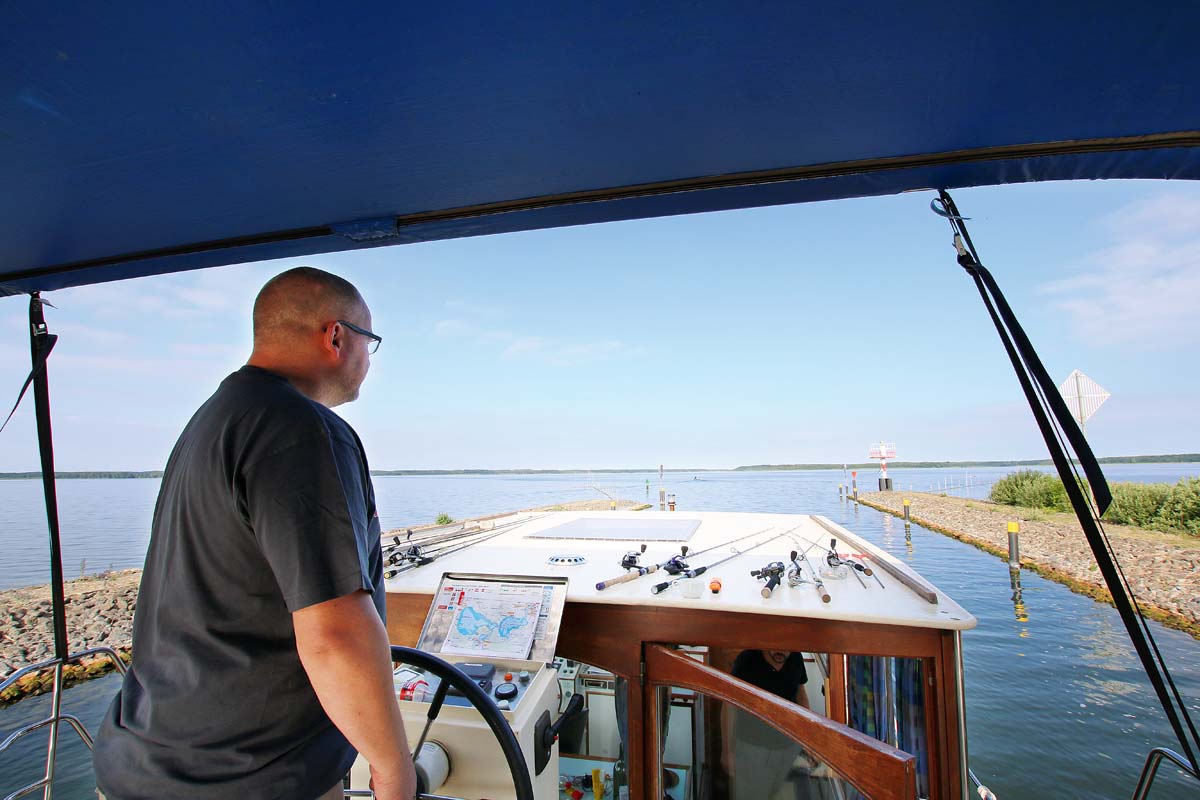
point(56, 717)
point(1150, 770)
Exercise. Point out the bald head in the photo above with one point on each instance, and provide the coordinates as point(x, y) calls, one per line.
point(296, 302)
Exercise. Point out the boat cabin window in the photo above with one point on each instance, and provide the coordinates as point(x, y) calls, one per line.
point(713, 749)
point(715, 741)
point(594, 745)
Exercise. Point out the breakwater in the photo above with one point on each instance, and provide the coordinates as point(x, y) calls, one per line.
point(99, 613)
point(1163, 569)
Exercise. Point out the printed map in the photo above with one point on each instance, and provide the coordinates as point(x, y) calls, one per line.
point(496, 621)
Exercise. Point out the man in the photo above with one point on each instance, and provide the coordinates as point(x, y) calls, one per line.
point(260, 654)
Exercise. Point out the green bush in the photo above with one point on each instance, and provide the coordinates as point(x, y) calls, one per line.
point(444, 519)
point(1181, 510)
point(1137, 504)
point(1154, 506)
point(1031, 488)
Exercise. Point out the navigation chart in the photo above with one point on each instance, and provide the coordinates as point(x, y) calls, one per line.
point(495, 619)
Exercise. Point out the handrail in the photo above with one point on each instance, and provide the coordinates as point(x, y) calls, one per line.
point(56, 714)
point(50, 662)
point(879, 770)
point(1150, 770)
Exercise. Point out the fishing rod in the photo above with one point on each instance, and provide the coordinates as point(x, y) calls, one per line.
point(449, 529)
point(417, 549)
point(428, 558)
point(673, 565)
point(451, 548)
point(697, 571)
point(414, 548)
point(817, 582)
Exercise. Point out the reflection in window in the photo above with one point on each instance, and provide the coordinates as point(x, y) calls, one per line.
point(745, 759)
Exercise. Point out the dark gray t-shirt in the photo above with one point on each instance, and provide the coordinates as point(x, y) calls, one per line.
point(266, 507)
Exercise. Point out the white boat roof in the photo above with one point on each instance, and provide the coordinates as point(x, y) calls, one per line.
point(601, 538)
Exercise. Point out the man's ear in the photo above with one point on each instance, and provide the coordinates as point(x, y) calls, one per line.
point(332, 340)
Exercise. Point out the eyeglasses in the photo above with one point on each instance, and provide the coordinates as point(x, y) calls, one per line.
point(376, 339)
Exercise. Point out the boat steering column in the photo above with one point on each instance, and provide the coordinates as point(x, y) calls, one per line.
point(483, 673)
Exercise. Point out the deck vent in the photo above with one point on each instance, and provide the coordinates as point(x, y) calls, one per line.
point(570, 560)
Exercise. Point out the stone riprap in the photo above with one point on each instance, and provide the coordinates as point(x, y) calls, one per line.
point(1163, 569)
point(99, 613)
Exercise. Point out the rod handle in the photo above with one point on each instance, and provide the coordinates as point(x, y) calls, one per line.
point(659, 587)
point(628, 576)
point(697, 572)
point(772, 582)
point(825, 598)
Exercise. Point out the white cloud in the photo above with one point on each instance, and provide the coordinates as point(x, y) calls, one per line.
point(467, 308)
point(1143, 286)
point(567, 354)
point(453, 327)
point(523, 345)
point(202, 294)
point(103, 337)
point(225, 353)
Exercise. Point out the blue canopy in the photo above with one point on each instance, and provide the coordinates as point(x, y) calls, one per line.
point(188, 135)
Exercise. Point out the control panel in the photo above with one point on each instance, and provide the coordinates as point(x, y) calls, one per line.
point(507, 684)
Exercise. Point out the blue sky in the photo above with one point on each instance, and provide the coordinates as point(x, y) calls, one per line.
point(778, 335)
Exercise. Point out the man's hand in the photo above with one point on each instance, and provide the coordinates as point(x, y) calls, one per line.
point(344, 649)
point(390, 786)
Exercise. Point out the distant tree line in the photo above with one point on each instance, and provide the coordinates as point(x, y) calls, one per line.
point(17, 476)
point(1176, 458)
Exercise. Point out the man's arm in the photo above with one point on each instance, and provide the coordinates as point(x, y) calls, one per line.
point(344, 648)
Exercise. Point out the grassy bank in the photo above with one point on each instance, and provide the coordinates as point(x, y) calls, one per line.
point(1153, 506)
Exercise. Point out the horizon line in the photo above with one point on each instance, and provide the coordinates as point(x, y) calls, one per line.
point(1166, 458)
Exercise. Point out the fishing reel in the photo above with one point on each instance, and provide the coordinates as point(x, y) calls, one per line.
point(795, 576)
point(632, 559)
point(772, 573)
point(834, 560)
point(676, 564)
point(412, 553)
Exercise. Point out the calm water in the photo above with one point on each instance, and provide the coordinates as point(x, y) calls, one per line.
point(1057, 705)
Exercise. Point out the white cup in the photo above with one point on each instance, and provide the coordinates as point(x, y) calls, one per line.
point(691, 588)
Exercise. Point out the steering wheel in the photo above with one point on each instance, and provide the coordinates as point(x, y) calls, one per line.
point(451, 675)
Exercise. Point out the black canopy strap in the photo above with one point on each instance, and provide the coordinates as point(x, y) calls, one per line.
point(41, 342)
point(1028, 367)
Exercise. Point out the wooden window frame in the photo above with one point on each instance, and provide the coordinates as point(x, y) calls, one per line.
point(879, 770)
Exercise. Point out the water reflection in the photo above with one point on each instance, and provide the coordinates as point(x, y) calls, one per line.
point(1019, 610)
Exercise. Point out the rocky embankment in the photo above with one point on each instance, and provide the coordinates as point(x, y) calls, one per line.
point(1163, 569)
point(99, 613)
